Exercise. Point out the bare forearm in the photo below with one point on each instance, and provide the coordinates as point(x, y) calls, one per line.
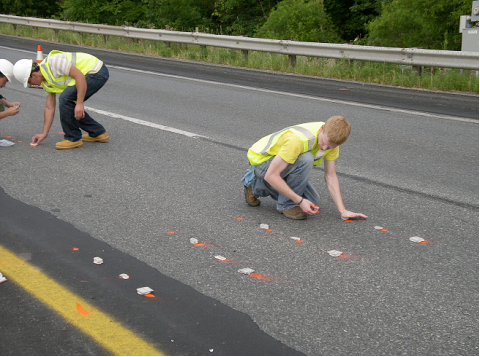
point(281, 186)
point(48, 116)
point(81, 90)
point(333, 187)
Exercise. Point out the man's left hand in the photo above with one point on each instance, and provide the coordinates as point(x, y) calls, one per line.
point(79, 111)
point(349, 215)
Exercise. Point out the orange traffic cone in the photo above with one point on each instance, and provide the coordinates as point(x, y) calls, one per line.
point(39, 54)
point(39, 60)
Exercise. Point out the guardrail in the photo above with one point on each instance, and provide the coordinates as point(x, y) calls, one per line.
point(403, 56)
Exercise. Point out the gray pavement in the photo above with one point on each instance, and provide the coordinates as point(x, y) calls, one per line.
point(414, 174)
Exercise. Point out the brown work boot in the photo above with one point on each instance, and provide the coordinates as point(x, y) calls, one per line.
point(67, 144)
point(250, 198)
point(102, 138)
point(294, 213)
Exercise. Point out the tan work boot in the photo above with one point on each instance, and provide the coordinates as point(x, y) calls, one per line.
point(250, 198)
point(294, 213)
point(101, 138)
point(67, 144)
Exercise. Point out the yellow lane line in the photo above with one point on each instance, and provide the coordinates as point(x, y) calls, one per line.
point(104, 329)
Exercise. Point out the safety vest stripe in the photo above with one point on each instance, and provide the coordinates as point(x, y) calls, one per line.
point(68, 80)
point(306, 132)
point(319, 155)
point(270, 139)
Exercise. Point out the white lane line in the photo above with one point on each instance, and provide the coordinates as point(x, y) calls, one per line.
point(146, 123)
point(337, 101)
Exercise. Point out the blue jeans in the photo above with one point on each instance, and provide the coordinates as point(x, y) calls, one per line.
point(68, 98)
point(296, 176)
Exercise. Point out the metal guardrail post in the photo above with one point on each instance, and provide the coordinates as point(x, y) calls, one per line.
point(245, 54)
point(292, 59)
point(418, 70)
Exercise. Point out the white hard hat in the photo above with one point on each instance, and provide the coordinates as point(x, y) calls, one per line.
point(22, 70)
point(6, 67)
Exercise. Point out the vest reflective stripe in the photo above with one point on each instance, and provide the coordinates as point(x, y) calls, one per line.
point(311, 138)
point(308, 132)
point(50, 75)
point(320, 155)
point(82, 61)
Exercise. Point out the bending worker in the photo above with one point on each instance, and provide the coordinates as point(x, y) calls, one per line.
point(77, 76)
point(281, 164)
point(6, 75)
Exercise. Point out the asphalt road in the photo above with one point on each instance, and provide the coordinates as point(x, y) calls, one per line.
point(411, 165)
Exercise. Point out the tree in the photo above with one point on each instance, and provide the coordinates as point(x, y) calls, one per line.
point(33, 8)
point(241, 17)
point(113, 12)
point(299, 20)
point(429, 24)
point(181, 15)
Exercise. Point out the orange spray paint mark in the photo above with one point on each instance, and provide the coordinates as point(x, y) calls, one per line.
point(260, 276)
point(349, 220)
point(202, 245)
point(81, 310)
point(172, 232)
point(75, 249)
point(149, 295)
point(383, 230)
point(268, 230)
point(345, 256)
point(239, 219)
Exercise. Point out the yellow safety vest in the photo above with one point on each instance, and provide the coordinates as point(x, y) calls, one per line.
point(83, 61)
point(308, 132)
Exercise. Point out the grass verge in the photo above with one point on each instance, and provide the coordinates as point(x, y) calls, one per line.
point(437, 79)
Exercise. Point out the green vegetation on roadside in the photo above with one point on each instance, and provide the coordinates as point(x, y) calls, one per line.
point(370, 72)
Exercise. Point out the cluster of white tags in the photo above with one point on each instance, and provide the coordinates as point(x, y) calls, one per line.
point(141, 291)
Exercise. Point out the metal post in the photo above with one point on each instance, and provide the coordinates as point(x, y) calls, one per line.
point(292, 59)
point(417, 69)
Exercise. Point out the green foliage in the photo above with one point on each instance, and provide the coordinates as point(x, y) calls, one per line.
point(32, 8)
point(351, 16)
point(113, 12)
point(394, 23)
point(241, 17)
point(299, 20)
point(431, 24)
point(179, 15)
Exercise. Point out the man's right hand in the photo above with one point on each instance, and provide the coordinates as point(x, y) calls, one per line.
point(12, 111)
point(36, 139)
point(308, 207)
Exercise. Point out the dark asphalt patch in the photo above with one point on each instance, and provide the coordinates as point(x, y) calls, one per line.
point(178, 320)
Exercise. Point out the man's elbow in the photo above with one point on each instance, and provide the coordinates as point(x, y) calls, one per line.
point(267, 177)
